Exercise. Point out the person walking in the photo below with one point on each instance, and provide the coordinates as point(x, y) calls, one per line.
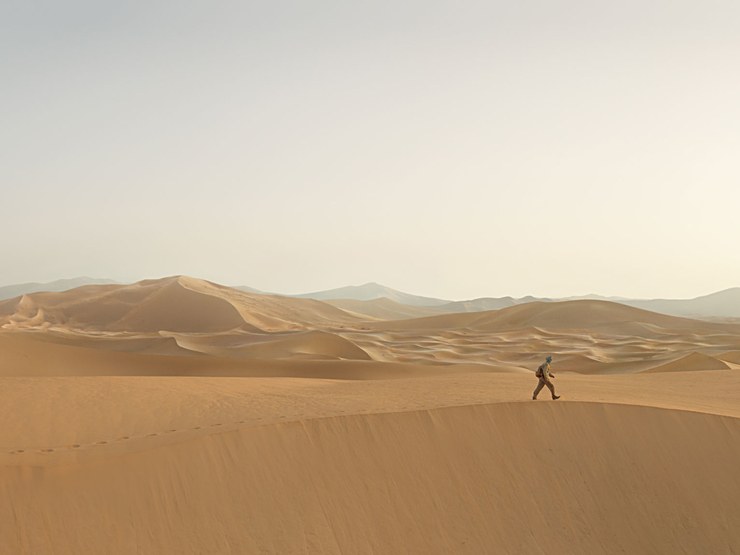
point(544, 374)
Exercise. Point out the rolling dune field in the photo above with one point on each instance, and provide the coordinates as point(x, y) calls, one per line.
point(181, 416)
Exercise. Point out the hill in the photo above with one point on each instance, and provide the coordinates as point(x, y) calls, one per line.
point(372, 291)
point(10, 291)
point(435, 466)
point(723, 304)
point(575, 315)
point(384, 309)
point(479, 305)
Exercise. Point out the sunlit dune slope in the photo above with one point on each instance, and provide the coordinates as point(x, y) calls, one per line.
point(691, 363)
point(504, 478)
point(34, 354)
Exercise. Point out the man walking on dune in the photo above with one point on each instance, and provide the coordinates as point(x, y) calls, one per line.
point(544, 374)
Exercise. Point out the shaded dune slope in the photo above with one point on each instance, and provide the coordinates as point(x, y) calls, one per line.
point(731, 356)
point(597, 478)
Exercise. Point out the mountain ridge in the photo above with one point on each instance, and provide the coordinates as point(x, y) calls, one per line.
point(367, 299)
point(372, 291)
point(16, 290)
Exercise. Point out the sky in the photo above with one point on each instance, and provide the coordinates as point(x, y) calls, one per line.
point(449, 149)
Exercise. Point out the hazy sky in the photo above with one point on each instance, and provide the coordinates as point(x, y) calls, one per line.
point(453, 149)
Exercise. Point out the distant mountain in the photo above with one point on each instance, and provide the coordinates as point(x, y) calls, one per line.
point(479, 305)
point(372, 291)
point(563, 315)
point(247, 289)
point(384, 309)
point(10, 291)
point(723, 304)
point(591, 297)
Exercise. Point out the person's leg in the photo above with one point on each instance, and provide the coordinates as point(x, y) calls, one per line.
point(539, 387)
point(551, 387)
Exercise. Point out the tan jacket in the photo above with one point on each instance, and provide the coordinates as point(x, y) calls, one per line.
point(544, 371)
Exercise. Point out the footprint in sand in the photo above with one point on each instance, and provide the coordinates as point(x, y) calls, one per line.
point(101, 443)
point(75, 446)
point(152, 434)
point(123, 438)
point(47, 450)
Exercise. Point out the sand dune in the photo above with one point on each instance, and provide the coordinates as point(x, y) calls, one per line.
point(171, 304)
point(305, 344)
point(184, 317)
point(365, 484)
point(274, 313)
point(27, 354)
point(181, 416)
point(731, 356)
point(148, 306)
point(691, 363)
point(214, 465)
point(581, 314)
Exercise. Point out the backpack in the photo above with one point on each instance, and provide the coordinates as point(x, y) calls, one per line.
point(540, 372)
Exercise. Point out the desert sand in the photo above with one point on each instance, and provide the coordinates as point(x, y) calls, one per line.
point(180, 416)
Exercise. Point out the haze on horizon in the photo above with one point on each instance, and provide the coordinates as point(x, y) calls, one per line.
point(491, 149)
